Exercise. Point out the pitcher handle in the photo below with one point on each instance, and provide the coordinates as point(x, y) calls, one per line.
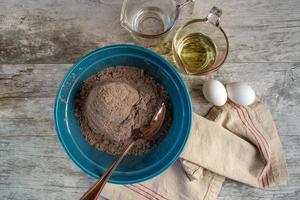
point(214, 16)
point(186, 2)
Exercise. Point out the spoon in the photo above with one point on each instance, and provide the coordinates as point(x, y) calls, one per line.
point(145, 132)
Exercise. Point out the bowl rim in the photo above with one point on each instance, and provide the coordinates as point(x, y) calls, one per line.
point(189, 114)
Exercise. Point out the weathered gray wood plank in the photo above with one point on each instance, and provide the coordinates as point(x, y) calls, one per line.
point(61, 31)
point(30, 80)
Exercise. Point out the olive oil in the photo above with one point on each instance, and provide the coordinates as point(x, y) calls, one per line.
point(196, 52)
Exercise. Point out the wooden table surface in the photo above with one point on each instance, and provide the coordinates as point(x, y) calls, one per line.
point(40, 39)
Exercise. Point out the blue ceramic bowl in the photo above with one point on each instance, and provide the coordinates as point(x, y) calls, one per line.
point(133, 169)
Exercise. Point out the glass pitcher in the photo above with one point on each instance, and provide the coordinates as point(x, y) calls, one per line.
point(150, 19)
point(201, 46)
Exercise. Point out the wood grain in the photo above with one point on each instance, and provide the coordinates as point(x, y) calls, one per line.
point(38, 38)
point(45, 31)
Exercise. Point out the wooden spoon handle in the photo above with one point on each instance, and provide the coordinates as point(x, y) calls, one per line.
point(94, 191)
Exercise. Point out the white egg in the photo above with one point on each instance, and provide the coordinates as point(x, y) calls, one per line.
point(240, 93)
point(214, 91)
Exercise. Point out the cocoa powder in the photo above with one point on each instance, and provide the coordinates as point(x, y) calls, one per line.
point(117, 100)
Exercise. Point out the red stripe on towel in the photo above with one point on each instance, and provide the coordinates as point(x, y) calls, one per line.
point(264, 171)
point(248, 113)
point(134, 190)
point(153, 191)
point(263, 139)
point(266, 143)
point(263, 175)
point(151, 195)
point(259, 144)
point(244, 123)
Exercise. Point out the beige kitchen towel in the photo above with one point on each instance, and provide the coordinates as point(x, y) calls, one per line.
point(240, 143)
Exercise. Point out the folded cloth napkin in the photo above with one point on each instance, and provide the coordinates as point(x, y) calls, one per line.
point(239, 143)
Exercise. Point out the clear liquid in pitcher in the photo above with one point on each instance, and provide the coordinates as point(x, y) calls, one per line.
point(151, 21)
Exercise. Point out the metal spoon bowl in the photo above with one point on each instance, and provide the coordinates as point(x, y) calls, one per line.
point(145, 132)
